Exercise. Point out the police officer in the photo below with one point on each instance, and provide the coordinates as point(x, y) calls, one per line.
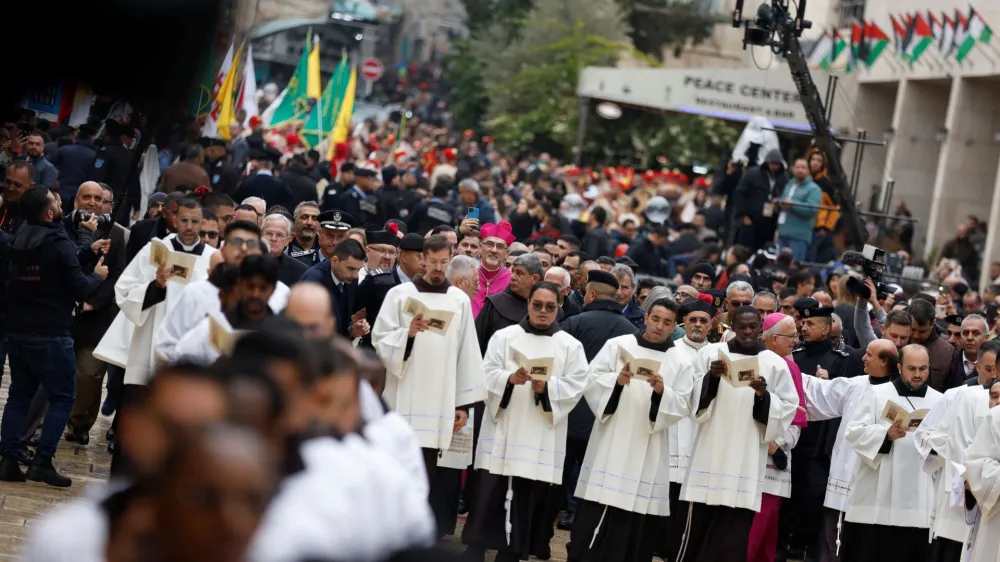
point(718, 329)
point(432, 214)
point(344, 182)
point(225, 176)
point(819, 357)
point(264, 184)
point(362, 200)
point(377, 283)
point(333, 227)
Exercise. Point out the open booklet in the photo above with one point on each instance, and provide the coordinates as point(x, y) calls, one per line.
point(642, 368)
point(740, 372)
point(221, 338)
point(181, 265)
point(537, 362)
point(438, 321)
point(897, 415)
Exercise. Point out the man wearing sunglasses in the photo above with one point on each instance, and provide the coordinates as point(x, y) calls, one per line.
point(240, 239)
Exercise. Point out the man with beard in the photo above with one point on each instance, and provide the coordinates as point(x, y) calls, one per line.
point(241, 240)
point(258, 276)
point(524, 437)
point(494, 277)
point(380, 250)
point(94, 316)
point(435, 367)
point(509, 307)
point(303, 246)
point(624, 482)
point(45, 284)
point(224, 176)
point(161, 227)
point(891, 503)
point(277, 230)
point(702, 277)
point(372, 291)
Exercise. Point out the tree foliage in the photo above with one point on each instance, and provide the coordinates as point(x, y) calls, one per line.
point(661, 24)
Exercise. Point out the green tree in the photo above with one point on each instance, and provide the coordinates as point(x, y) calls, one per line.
point(469, 100)
point(660, 24)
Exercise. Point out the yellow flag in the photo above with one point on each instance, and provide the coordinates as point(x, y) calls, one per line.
point(314, 89)
point(342, 130)
point(225, 98)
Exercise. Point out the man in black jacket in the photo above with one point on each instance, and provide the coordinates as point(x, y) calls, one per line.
point(600, 321)
point(754, 215)
point(18, 178)
point(94, 315)
point(46, 282)
point(264, 184)
point(147, 229)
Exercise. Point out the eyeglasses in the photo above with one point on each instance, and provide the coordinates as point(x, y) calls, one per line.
point(547, 307)
point(248, 243)
point(698, 321)
point(789, 336)
point(207, 234)
point(382, 251)
point(491, 245)
point(737, 304)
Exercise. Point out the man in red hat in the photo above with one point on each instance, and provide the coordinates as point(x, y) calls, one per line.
point(494, 277)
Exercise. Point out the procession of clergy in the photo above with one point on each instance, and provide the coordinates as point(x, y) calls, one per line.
point(690, 439)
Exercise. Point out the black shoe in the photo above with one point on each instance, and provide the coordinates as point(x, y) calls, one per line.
point(110, 435)
point(566, 523)
point(543, 553)
point(9, 469)
point(463, 507)
point(111, 447)
point(23, 456)
point(41, 470)
point(77, 436)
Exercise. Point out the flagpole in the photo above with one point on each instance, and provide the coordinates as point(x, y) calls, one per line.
point(319, 100)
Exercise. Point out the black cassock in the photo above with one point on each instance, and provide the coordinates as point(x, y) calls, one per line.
point(601, 530)
point(485, 527)
point(717, 533)
point(883, 543)
point(446, 491)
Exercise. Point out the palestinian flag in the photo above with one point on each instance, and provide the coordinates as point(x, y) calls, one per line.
point(976, 32)
point(937, 30)
point(961, 32)
point(838, 45)
point(947, 44)
point(898, 35)
point(857, 52)
point(877, 41)
point(820, 54)
point(918, 38)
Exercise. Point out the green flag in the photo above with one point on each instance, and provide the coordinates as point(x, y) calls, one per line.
point(293, 103)
point(200, 102)
point(324, 114)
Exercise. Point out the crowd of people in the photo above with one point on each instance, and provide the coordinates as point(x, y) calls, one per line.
point(339, 360)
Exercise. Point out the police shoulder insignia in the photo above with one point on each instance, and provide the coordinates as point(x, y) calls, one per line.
point(841, 353)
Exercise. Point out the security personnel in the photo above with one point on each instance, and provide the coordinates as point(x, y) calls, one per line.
point(264, 184)
point(114, 161)
point(432, 214)
point(719, 328)
point(225, 176)
point(362, 200)
point(372, 291)
point(333, 227)
point(344, 182)
point(811, 457)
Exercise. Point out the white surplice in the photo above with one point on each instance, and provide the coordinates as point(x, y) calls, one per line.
point(730, 449)
point(831, 399)
point(948, 430)
point(441, 374)
point(198, 300)
point(459, 454)
point(521, 439)
point(130, 291)
point(982, 471)
point(888, 489)
point(353, 501)
point(626, 465)
point(680, 436)
point(779, 482)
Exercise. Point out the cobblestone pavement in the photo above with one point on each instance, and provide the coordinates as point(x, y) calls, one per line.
point(558, 543)
point(20, 504)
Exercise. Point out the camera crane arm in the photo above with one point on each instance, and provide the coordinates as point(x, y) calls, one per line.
point(774, 20)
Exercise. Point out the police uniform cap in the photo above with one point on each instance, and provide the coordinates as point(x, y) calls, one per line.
point(601, 276)
point(817, 312)
point(803, 303)
point(718, 297)
point(953, 319)
point(698, 305)
point(382, 237)
point(364, 173)
point(412, 242)
point(336, 220)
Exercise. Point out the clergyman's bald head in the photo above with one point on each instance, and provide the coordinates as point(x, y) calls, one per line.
point(310, 305)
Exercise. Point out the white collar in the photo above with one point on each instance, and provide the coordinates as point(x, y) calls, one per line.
point(693, 345)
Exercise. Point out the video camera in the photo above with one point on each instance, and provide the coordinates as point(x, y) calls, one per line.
point(772, 18)
point(873, 266)
point(104, 222)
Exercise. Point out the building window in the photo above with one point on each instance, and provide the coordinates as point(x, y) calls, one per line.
point(848, 11)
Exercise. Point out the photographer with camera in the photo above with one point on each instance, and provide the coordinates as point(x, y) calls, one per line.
point(45, 283)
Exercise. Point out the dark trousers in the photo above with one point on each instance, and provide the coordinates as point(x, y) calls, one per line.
point(46, 361)
point(430, 463)
point(116, 380)
point(121, 464)
point(89, 380)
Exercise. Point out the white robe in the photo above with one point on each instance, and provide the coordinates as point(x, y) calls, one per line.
point(353, 502)
point(680, 436)
point(130, 291)
point(888, 489)
point(626, 465)
point(947, 429)
point(831, 399)
point(982, 471)
point(196, 302)
point(522, 439)
point(442, 372)
point(779, 482)
point(730, 450)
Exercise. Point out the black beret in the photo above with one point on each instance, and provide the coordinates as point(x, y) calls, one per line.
point(697, 305)
point(803, 303)
point(412, 242)
point(718, 297)
point(382, 237)
point(601, 276)
point(819, 312)
point(336, 220)
point(953, 319)
point(625, 260)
